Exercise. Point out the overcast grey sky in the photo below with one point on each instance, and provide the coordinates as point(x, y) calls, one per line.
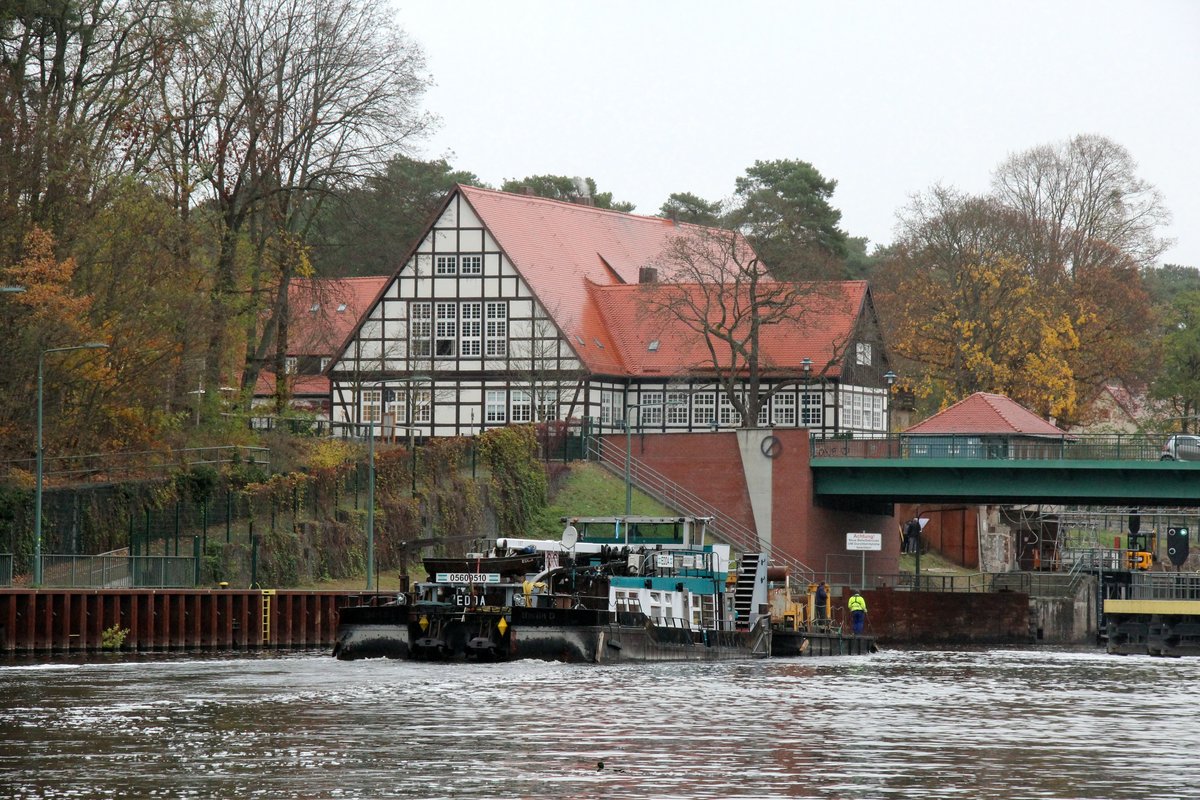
point(887, 98)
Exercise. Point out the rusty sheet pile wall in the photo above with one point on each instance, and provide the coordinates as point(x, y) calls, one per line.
point(67, 620)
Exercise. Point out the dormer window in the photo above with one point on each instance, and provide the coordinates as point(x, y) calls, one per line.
point(653, 346)
point(315, 308)
point(341, 308)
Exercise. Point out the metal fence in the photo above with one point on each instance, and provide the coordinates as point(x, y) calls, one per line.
point(1034, 584)
point(1074, 447)
point(1165, 586)
point(119, 572)
point(121, 465)
point(6, 569)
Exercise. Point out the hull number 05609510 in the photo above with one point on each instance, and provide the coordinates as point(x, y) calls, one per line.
point(468, 577)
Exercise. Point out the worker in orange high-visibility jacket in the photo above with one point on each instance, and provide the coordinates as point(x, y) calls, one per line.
point(858, 611)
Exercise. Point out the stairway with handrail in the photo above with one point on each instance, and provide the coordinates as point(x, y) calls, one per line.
point(668, 492)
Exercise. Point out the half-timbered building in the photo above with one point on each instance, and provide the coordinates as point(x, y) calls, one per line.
point(514, 309)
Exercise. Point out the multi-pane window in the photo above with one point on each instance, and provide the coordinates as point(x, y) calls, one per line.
point(763, 411)
point(877, 413)
point(470, 328)
point(852, 411)
point(727, 414)
point(446, 328)
point(494, 408)
point(705, 411)
point(651, 412)
point(522, 406)
point(863, 353)
point(470, 265)
point(420, 328)
point(445, 265)
point(372, 405)
point(497, 329)
point(677, 408)
point(810, 409)
point(783, 409)
point(422, 405)
point(610, 408)
point(548, 404)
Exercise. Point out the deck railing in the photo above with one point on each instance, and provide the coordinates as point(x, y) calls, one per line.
point(1165, 586)
point(1070, 447)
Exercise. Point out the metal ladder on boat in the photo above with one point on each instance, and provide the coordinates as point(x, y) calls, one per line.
point(750, 590)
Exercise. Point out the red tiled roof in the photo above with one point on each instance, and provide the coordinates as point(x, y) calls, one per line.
point(302, 385)
point(990, 414)
point(635, 319)
point(583, 264)
point(324, 311)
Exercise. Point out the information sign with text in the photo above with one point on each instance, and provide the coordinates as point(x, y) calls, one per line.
point(864, 541)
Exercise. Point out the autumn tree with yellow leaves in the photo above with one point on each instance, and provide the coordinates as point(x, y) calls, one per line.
point(966, 312)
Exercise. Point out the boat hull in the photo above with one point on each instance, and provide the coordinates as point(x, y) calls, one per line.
point(373, 632)
point(570, 635)
point(790, 644)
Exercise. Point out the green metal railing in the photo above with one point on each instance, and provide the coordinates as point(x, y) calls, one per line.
point(109, 571)
point(1073, 447)
point(1034, 584)
point(1165, 586)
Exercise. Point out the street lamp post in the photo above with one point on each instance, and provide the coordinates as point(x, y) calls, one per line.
point(37, 511)
point(371, 507)
point(890, 377)
point(628, 458)
point(806, 366)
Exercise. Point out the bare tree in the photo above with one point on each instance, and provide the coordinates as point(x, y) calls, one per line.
point(1079, 199)
point(74, 78)
point(717, 287)
point(295, 100)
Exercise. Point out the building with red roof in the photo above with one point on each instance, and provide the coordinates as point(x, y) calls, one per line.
point(322, 314)
point(513, 308)
point(983, 425)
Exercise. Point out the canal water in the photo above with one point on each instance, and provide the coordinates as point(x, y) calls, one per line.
point(1028, 723)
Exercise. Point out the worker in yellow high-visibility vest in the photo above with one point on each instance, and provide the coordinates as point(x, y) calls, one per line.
point(858, 611)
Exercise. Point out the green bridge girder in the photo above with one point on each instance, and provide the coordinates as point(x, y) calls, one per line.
point(967, 480)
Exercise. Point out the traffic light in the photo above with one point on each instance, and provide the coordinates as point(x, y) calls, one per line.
point(1177, 545)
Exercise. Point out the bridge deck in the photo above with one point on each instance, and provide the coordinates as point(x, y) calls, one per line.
point(1079, 470)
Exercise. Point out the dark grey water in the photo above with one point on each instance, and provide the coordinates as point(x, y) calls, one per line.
point(904, 724)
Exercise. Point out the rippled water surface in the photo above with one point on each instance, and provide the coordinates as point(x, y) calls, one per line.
point(983, 723)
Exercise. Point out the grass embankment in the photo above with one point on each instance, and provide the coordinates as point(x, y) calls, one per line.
point(589, 490)
point(933, 564)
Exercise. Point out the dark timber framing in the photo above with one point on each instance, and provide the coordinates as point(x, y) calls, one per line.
point(449, 384)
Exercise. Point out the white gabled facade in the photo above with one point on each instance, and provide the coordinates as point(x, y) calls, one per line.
point(458, 342)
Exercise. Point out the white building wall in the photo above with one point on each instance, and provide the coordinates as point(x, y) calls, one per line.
point(455, 280)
